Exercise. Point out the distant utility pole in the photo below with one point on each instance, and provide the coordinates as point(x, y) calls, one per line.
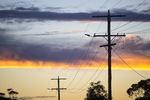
point(109, 48)
point(58, 79)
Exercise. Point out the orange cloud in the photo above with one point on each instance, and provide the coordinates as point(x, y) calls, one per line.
point(135, 62)
point(129, 61)
point(28, 64)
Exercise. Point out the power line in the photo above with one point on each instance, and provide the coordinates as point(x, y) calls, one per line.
point(70, 58)
point(135, 25)
point(86, 51)
point(134, 17)
point(80, 65)
point(113, 7)
point(103, 5)
point(115, 4)
point(78, 91)
point(129, 65)
point(82, 88)
point(87, 68)
point(140, 31)
point(93, 56)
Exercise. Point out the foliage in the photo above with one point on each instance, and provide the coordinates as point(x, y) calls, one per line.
point(141, 90)
point(12, 93)
point(2, 94)
point(96, 92)
point(4, 98)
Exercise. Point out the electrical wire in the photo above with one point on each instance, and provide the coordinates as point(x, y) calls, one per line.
point(131, 20)
point(81, 64)
point(93, 73)
point(126, 62)
point(113, 7)
point(135, 16)
point(129, 65)
point(140, 31)
point(88, 67)
point(135, 25)
point(115, 4)
point(81, 89)
point(86, 52)
point(70, 58)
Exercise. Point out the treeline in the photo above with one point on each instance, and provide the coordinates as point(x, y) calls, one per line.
point(12, 95)
point(137, 91)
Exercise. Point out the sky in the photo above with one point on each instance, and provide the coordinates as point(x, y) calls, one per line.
point(44, 39)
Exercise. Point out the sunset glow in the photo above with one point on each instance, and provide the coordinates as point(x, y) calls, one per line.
point(41, 40)
point(142, 64)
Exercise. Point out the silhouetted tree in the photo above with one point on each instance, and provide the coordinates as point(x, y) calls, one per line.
point(12, 93)
point(9, 90)
point(2, 94)
point(96, 92)
point(141, 90)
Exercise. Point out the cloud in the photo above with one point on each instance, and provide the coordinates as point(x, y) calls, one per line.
point(128, 7)
point(55, 33)
point(138, 44)
point(5, 40)
point(12, 49)
point(53, 9)
point(27, 9)
point(133, 15)
point(34, 13)
point(41, 53)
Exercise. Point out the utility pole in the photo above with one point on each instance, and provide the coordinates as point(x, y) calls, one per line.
point(109, 48)
point(58, 89)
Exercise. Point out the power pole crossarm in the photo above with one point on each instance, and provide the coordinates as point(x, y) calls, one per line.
point(110, 16)
point(118, 35)
point(58, 79)
point(59, 88)
point(107, 45)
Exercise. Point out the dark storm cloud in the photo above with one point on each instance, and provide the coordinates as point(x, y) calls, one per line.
point(41, 53)
point(5, 39)
point(3, 30)
point(27, 9)
point(11, 49)
point(137, 44)
point(36, 14)
point(132, 15)
point(53, 8)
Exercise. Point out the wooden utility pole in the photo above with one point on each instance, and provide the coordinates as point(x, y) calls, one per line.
point(109, 49)
point(58, 79)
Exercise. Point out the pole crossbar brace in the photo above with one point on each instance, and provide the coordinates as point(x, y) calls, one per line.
point(106, 45)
